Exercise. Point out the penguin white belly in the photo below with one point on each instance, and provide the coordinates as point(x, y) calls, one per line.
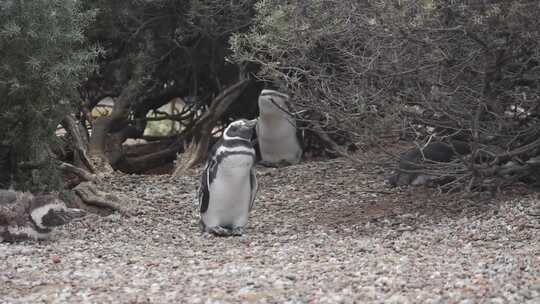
point(230, 193)
point(277, 141)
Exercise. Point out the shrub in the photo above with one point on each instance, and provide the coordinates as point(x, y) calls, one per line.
point(470, 70)
point(43, 60)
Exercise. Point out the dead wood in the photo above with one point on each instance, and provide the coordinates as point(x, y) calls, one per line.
point(109, 132)
point(90, 195)
point(79, 142)
point(141, 149)
point(149, 156)
point(196, 152)
point(79, 172)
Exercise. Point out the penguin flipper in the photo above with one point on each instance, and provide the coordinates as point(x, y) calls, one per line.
point(253, 186)
point(257, 148)
point(300, 138)
point(204, 193)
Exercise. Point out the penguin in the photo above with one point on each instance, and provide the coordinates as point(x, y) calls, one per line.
point(24, 216)
point(409, 162)
point(228, 182)
point(279, 140)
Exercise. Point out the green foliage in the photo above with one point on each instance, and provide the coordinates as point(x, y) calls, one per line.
point(43, 60)
point(161, 50)
point(174, 43)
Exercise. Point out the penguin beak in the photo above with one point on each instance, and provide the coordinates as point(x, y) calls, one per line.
point(73, 213)
point(252, 123)
point(61, 217)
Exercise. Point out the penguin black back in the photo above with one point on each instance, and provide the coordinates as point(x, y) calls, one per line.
point(228, 184)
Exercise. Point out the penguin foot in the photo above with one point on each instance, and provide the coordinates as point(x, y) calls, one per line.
point(219, 231)
point(202, 226)
point(279, 164)
point(267, 164)
point(284, 163)
point(238, 231)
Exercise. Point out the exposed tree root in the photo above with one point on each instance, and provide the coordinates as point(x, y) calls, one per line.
point(79, 141)
point(94, 197)
point(101, 165)
point(81, 173)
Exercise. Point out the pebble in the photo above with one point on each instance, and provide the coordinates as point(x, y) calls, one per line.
point(335, 246)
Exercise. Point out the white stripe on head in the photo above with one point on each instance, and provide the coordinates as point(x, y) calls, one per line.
point(275, 93)
point(38, 213)
point(274, 104)
point(239, 149)
point(226, 137)
point(239, 123)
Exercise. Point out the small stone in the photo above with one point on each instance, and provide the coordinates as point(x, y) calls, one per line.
point(291, 277)
point(397, 299)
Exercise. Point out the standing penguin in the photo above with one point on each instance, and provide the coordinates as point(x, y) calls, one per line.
point(278, 138)
point(228, 182)
point(25, 216)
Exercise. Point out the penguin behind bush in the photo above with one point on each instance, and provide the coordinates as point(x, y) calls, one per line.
point(278, 138)
point(411, 161)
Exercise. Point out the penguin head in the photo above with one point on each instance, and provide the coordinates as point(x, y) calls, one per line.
point(272, 102)
point(399, 179)
point(48, 211)
point(241, 129)
point(392, 180)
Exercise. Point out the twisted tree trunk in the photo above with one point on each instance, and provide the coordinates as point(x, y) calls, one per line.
point(79, 141)
point(109, 132)
point(196, 152)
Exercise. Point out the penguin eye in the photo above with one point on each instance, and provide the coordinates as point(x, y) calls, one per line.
point(233, 128)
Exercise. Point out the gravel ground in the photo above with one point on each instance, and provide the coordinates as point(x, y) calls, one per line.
point(321, 232)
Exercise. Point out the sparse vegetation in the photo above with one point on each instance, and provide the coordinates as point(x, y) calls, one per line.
point(469, 69)
point(360, 73)
point(84, 113)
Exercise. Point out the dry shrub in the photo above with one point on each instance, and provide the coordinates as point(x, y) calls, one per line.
point(427, 69)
